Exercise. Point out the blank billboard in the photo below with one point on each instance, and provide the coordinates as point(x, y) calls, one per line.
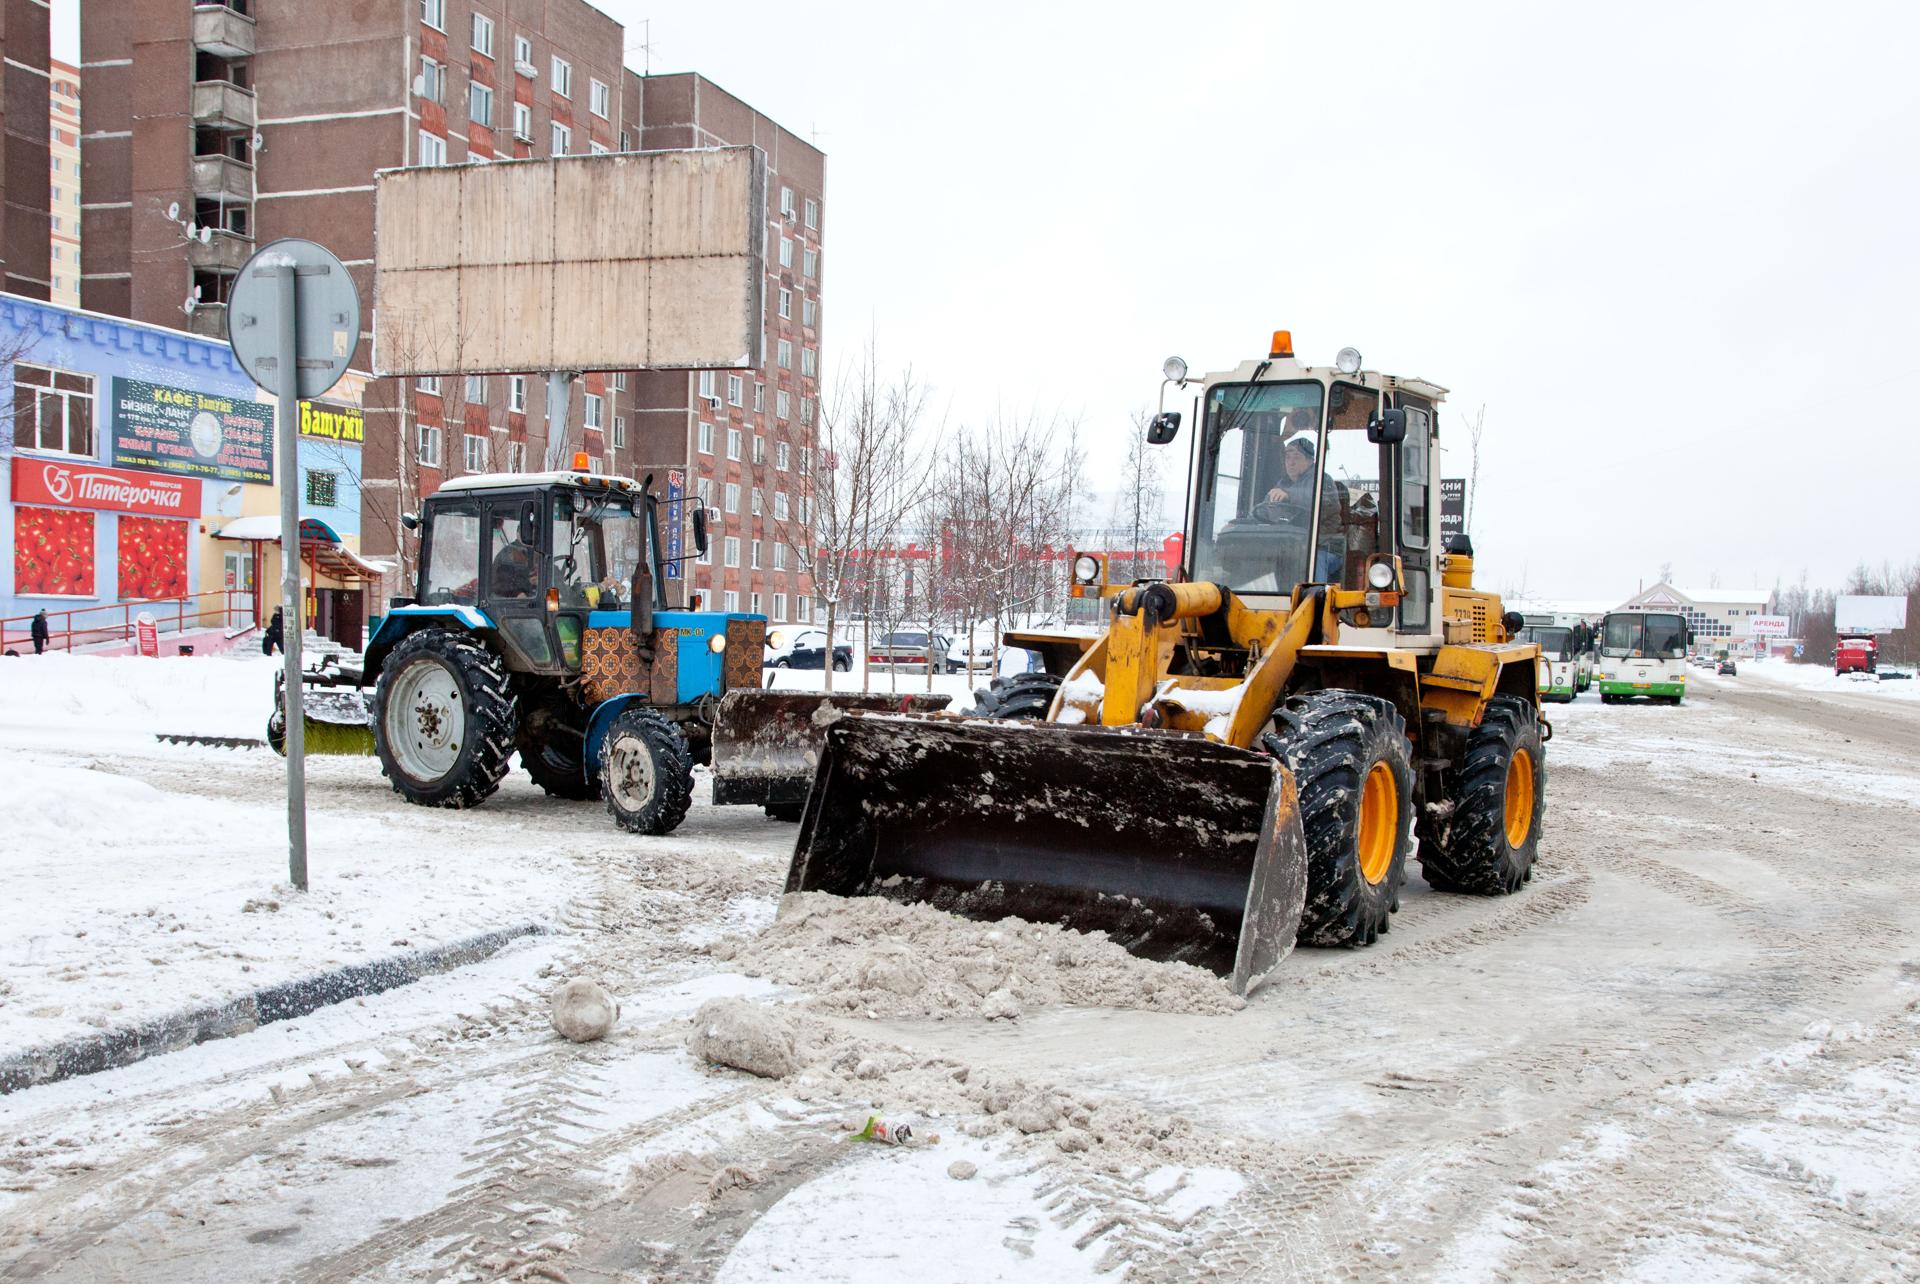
point(1860, 614)
point(625, 261)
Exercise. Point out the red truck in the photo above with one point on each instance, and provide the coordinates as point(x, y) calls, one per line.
point(1855, 655)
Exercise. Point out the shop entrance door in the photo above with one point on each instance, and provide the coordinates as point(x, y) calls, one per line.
point(239, 581)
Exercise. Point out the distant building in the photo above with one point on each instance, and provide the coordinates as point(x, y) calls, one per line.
point(24, 237)
point(1721, 619)
point(63, 147)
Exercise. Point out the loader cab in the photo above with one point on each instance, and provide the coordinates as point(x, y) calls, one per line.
point(1295, 483)
point(537, 554)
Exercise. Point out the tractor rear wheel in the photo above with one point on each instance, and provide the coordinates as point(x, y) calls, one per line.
point(1023, 695)
point(553, 745)
point(447, 719)
point(1351, 765)
point(1487, 843)
point(646, 772)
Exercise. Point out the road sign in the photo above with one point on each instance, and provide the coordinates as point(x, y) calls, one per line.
point(327, 324)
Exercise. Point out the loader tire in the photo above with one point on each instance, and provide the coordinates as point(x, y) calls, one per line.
point(646, 772)
point(1351, 764)
point(553, 745)
point(1487, 843)
point(447, 719)
point(1023, 695)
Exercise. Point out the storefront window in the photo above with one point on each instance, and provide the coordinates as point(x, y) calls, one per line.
point(52, 552)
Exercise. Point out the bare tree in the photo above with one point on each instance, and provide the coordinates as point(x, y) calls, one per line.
point(1137, 505)
point(1475, 427)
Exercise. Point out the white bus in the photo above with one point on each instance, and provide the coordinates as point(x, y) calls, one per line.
point(1643, 654)
point(1566, 659)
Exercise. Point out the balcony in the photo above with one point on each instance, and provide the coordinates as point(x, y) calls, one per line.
point(220, 29)
point(223, 252)
point(208, 320)
point(222, 105)
point(222, 176)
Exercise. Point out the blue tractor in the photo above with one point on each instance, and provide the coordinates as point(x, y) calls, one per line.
point(540, 626)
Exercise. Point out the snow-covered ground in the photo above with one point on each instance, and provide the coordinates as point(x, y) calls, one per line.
point(1685, 1051)
point(1821, 679)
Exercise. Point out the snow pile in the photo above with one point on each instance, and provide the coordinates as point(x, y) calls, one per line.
point(875, 956)
point(1820, 679)
point(93, 702)
point(746, 1036)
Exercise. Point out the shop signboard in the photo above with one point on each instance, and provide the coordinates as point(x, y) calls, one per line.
point(1453, 507)
point(676, 492)
point(68, 483)
point(148, 630)
point(1769, 626)
point(191, 434)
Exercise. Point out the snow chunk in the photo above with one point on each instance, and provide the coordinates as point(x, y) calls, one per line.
point(745, 1036)
point(583, 1011)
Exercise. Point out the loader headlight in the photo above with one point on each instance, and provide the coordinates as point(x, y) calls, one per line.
point(1380, 575)
point(1347, 360)
point(1086, 569)
point(717, 643)
point(1175, 369)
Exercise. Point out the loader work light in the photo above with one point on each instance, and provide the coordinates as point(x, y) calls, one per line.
point(1347, 361)
point(1175, 369)
point(1380, 575)
point(1086, 569)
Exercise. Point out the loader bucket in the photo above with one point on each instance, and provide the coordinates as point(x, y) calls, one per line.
point(766, 744)
point(338, 718)
point(1179, 848)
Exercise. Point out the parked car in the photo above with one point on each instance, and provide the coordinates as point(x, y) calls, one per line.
point(983, 652)
point(909, 650)
point(806, 649)
point(1727, 667)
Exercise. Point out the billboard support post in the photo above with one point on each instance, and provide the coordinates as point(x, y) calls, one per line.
point(559, 399)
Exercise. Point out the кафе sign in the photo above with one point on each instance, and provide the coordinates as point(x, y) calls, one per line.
point(191, 434)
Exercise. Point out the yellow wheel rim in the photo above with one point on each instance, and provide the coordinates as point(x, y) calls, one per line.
point(1379, 822)
point(1519, 798)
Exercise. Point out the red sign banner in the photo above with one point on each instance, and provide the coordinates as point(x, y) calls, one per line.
point(71, 484)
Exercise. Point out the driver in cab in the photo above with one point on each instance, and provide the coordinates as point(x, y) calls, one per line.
point(1291, 498)
point(516, 562)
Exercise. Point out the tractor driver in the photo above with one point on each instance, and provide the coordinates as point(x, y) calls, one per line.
point(515, 562)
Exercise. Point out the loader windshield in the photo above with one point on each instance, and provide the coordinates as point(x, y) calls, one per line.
point(1253, 522)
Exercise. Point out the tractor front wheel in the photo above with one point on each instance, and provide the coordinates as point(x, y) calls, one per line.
point(1488, 840)
point(1349, 756)
point(646, 772)
point(447, 719)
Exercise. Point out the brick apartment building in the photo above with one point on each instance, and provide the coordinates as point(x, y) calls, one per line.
point(24, 229)
point(63, 143)
point(222, 125)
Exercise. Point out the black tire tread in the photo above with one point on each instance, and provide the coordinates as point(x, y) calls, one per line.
point(549, 764)
point(675, 793)
point(1468, 851)
point(1020, 695)
point(491, 702)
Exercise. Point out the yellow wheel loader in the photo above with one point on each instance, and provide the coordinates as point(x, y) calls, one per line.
point(1248, 753)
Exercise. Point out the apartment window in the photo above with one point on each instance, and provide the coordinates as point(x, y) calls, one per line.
point(755, 499)
point(730, 601)
point(780, 505)
point(786, 201)
point(804, 609)
point(809, 362)
point(523, 55)
point(597, 147)
point(562, 140)
point(599, 99)
point(782, 406)
point(786, 354)
point(523, 122)
point(706, 558)
point(809, 313)
point(781, 454)
point(620, 381)
point(706, 384)
point(706, 439)
point(759, 449)
point(593, 416)
point(735, 391)
point(806, 460)
point(779, 556)
point(434, 14)
point(756, 559)
point(483, 38)
point(433, 149)
point(753, 603)
point(813, 213)
point(806, 417)
point(619, 431)
point(733, 497)
point(516, 456)
point(703, 487)
point(759, 398)
point(428, 445)
point(517, 393)
point(810, 264)
point(786, 303)
point(52, 410)
point(433, 81)
point(732, 554)
point(480, 103)
point(562, 77)
point(803, 508)
point(474, 389)
point(626, 141)
point(780, 608)
point(786, 252)
point(733, 443)
point(476, 453)
point(429, 384)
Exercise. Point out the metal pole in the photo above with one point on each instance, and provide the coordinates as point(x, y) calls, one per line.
point(293, 613)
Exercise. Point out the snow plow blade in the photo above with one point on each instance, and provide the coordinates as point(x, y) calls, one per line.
point(766, 744)
point(1177, 847)
point(339, 716)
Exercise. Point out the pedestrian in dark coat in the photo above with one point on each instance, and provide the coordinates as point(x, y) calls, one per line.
point(40, 633)
point(275, 636)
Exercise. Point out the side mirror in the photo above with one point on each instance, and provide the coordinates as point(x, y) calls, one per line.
point(410, 520)
point(529, 527)
point(1513, 622)
point(1164, 428)
point(1387, 427)
point(700, 530)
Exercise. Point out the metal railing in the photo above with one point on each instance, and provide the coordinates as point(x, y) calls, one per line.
point(119, 621)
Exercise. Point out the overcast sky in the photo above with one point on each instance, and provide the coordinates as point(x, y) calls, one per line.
point(1671, 248)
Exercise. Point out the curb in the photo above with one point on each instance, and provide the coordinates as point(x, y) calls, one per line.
point(281, 1002)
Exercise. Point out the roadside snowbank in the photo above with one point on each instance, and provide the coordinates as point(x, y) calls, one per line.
point(1822, 680)
point(98, 702)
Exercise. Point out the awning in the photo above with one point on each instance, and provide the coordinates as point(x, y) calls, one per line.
point(319, 545)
